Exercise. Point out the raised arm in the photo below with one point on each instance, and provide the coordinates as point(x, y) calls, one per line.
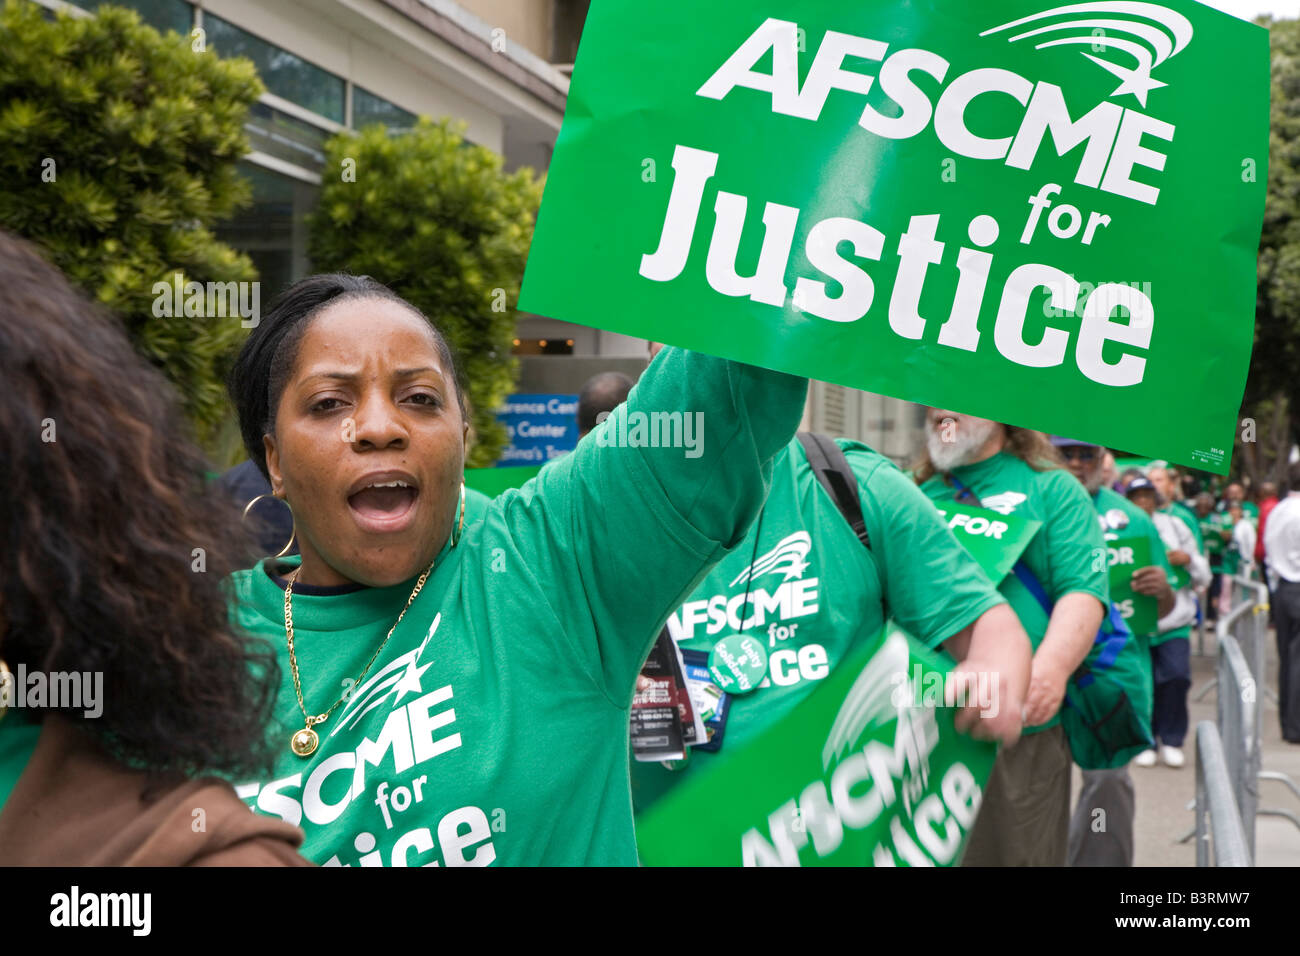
point(627, 524)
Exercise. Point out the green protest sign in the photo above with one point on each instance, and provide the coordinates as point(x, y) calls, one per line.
point(868, 770)
point(994, 540)
point(493, 481)
point(1042, 214)
point(1126, 556)
point(1181, 578)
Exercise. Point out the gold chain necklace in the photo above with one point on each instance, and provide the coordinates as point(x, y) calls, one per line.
point(304, 742)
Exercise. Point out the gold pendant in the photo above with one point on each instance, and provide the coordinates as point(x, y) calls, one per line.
point(304, 742)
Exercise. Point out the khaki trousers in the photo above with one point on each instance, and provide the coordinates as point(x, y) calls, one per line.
point(1024, 819)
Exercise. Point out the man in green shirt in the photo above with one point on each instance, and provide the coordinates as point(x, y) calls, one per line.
point(1211, 526)
point(1235, 494)
point(805, 585)
point(1170, 645)
point(1112, 790)
point(1024, 819)
point(1167, 487)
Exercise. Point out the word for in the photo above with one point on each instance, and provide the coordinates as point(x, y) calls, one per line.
point(917, 250)
point(977, 525)
point(411, 735)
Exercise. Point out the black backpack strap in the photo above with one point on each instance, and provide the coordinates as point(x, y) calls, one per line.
point(833, 472)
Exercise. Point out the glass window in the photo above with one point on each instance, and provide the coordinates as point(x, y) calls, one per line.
point(286, 137)
point(162, 15)
point(285, 74)
point(272, 230)
point(368, 108)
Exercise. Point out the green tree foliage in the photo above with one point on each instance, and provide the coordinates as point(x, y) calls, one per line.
point(437, 220)
point(117, 148)
point(1273, 389)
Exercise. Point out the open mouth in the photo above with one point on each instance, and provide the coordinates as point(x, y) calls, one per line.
point(383, 504)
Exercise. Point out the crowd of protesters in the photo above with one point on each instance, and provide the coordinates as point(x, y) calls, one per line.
point(540, 606)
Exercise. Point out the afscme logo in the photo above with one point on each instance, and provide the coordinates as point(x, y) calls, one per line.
point(1004, 503)
point(754, 605)
point(1149, 45)
point(400, 677)
point(787, 557)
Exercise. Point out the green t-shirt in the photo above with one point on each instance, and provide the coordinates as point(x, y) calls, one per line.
point(816, 593)
point(476, 506)
point(1210, 527)
point(493, 726)
point(1121, 518)
point(1062, 555)
point(1224, 557)
point(17, 741)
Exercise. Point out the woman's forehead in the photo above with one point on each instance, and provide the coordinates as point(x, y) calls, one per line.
point(365, 330)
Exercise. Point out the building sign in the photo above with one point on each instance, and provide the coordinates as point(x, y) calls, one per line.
point(539, 428)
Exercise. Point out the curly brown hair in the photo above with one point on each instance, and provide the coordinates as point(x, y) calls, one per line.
point(1031, 447)
point(104, 504)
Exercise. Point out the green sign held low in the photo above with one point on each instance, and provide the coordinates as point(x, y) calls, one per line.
point(866, 771)
point(1140, 611)
point(1045, 214)
point(994, 540)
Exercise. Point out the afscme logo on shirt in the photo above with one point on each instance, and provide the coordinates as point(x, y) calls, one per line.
point(414, 732)
point(787, 557)
point(1005, 503)
point(775, 610)
point(794, 597)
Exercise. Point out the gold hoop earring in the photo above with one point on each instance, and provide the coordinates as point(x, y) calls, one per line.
point(460, 525)
point(292, 534)
point(6, 688)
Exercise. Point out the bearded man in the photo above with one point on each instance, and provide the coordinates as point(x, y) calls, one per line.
point(1059, 591)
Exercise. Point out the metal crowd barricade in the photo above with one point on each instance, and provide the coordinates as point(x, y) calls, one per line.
point(1218, 820)
point(1242, 686)
point(1238, 726)
point(1238, 706)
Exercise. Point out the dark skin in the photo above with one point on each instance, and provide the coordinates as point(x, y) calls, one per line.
point(1145, 499)
point(368, 398)
point(1085, 464)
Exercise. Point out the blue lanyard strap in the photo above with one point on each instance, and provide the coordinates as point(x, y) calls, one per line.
point(1112, 639)
point(1020, 569)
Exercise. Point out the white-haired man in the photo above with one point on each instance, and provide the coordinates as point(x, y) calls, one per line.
point(1024, 819)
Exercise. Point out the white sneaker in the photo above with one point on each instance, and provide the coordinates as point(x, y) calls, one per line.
point(1172, 756)
point(1146, 758)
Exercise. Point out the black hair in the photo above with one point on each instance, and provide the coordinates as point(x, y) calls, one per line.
point(602, 393)
point(262, 369)
point(102, 526)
